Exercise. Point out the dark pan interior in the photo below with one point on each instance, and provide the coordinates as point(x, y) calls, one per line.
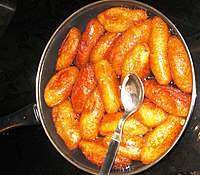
point(47, 69)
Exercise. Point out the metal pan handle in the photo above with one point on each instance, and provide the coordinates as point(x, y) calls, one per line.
point(26, 116)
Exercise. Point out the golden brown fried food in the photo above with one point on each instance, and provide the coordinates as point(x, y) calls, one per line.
point(136, 34)
point(108, 86)
point(161, 139)
point(149, 114)
point(179, 64)
point(90, 36)
point(119, 19)
point(169, 98)
point(91, 116)
point(59, 86)
point(130, 145)
point(68, 49)
point(84, 85)
point(95, 151)
point(132, 126)
point(137, 62)
point(67, 124)
point(159, 62)
point(103, 46)
point(86, 105)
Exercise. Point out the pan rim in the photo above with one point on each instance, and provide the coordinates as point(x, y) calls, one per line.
point(41, 67)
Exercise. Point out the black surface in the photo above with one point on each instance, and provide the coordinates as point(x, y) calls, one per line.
point(27, 150)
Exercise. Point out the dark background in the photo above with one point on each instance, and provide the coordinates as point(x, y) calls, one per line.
point(25, 28)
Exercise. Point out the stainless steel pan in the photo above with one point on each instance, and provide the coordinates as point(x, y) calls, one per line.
point(40, 113)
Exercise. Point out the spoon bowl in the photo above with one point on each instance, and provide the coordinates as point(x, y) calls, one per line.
point(132, 95)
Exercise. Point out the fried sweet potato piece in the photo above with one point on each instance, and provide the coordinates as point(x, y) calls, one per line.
point(149, 114)
point(159, 62)
point(137, 62)
point(67, 124)
point(136, 34)
point(108, 86)
point(179, 64)
point(90, 36)
point(130, 145)
point(60, 85)
point(95, 151)
point(161, 139)
point(119, 19)
point(84, 85)
point(103, 47)
point(169, 98)
point(68, 49)
point(132, 126)
point(91, 116)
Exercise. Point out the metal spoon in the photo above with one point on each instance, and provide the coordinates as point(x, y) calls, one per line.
point(132, 95)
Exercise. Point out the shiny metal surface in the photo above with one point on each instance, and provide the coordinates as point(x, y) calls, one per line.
point(132, 95)
point(46, 70)
point(28, 150)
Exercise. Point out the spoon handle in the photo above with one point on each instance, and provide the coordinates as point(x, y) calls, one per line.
point(111, 154)
point(113, 146)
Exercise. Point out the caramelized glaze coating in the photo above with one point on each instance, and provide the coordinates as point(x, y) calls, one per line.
point(95, 151)
point(68, 49)
point(137, 62)
point(130, 145)
point(119, 19)
point(169, 98)
point(161, 138)
point(180, 64)
point(132, 126)
point(59, 86)
point(103, 47)
point(149, 114)
point(90, 36)
point(91, 116)
point(159, 62)
point(108, 86)
point(67, 124)
point(86, 104)
point(84, 85)
point(136, 34)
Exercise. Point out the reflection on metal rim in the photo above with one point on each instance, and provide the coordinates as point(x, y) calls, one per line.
point(93, 8)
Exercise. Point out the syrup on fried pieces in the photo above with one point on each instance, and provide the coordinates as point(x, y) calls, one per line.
point(161, 138)
point(159, 62)
point(119, 19)
point(150, 114)
point(60, 85)
point(94, 30)
point(68, 49)
point(67, 124)
point(104, 46)
point(131, 126)
point(95, 151)
point(91, 116)
point(130, 145)
point(179, 64)
point(136, 34)
point(108, 86)
point(84, 85)
point(169, 98)
point(137, 62)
